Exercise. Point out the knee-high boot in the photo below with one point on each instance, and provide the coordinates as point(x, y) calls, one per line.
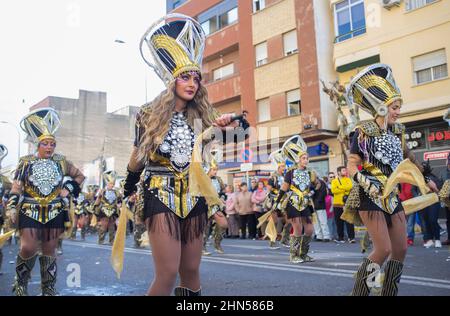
point(294, 244)
point(218, 236)
point(48, 275)
point(304, 249)
point(184, 291)
point(101, 236)
point(392, 275)
point(361, 286)
point(23, 274)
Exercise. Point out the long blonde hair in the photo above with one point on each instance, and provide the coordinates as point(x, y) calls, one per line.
point(155, 118)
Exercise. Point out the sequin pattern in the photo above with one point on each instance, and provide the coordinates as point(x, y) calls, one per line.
point(110, 196)
point(179, 142)
point(301, 179)
point(388, 149)
point(45, 175)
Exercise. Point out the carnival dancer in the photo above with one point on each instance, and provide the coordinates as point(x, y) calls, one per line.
point(217, 231)
point(108, 207)
point(165, 139)
point(3, 154)
point(90, 199)
point(297, 190)
point(274, 184)
point(378, 145)
point(81, 215)
point(39, 199)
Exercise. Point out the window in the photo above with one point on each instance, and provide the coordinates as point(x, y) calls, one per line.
point(219, 16)
point(263, 110)
point(228, 17)
point(293, 102)
point(415, 4)
point(261, 54)
point(290, 43)
point(429, 67)
point(209, 26)
point(258, 5)
point(349, 19)
point(223, 72)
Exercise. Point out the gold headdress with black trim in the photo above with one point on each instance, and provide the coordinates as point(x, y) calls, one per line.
point(294, 148)
point(109, 176)
point(175, 44)
point(41, 124)
point(374, 89)
point(277, 158)
point(3, 152)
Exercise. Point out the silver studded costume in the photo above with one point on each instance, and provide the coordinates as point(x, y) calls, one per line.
point(41, 206)
point(109, 203)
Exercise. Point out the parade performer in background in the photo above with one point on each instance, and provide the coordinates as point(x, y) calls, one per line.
point(217, 232)
point(165, 142)
point(296, 192)
point(378, 146)
point(81, 216)
point(39, 200)
point(107, 207)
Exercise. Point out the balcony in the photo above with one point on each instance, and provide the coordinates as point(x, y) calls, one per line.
point(280, 128)
point(225, 89)
point(221, 41)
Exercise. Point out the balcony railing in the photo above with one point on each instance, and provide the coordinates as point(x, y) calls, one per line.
point(350, 34)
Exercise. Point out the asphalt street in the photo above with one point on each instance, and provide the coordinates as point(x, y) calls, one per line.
point(247, 268)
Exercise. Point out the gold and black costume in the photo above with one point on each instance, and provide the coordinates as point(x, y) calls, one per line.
point(382, 152)
point(35, 199)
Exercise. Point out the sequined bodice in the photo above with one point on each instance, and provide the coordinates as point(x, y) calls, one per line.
point(178, 143)
point(44, 176)
point(301, 179)
point(110, 196)
point(387, 149)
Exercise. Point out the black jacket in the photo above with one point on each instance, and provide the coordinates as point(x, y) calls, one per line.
point(319, 196)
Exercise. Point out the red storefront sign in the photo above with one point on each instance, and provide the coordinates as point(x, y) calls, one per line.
point(436, 155)
point(438, 136)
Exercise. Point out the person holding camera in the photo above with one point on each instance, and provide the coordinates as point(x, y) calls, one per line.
point(340, 187)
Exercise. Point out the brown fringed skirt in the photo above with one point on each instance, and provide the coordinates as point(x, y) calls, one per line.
point(183, 229)
point(44, 232)
point(292, 212)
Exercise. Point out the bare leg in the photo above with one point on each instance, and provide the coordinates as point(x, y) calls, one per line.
point(397, 235)
point(28, 244)
point(166, 253)
point(297, 225)
point(379, 233)
point(191, 254)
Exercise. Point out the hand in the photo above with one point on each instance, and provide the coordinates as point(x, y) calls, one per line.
point(64, 193)
point(432, 185)
point(221, 220)
point(224, 121)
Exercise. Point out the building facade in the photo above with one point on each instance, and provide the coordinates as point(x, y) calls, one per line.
point(267, 57)
point(412, 36)
point(91, 137)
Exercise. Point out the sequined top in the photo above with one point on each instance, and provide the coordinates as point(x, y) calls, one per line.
point(42, 181)
point(300, 182)
point(109, 200)
point(382, 149)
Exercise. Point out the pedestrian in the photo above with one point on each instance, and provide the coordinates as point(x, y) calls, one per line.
point(432, 234)
point(244, 208)
point(340, 187)
point(258, 197)
point(42, 215)
point(321, 225)
point(163, 146)
point(232, 215)
point(330, 215)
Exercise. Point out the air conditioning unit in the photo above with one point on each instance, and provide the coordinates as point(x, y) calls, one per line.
point(388, 4)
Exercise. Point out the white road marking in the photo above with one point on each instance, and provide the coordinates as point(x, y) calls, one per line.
point(406, 279)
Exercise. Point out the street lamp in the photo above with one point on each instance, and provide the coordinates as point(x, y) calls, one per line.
point(18, 138)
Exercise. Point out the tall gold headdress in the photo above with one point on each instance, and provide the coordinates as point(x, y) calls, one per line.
point(277, 158)
point(294, 148)
point(175, 45)
point(374, 89)
point(41, 124)
point(110, 176)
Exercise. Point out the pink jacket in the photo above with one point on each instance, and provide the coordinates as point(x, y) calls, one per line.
point(329, 206)
point(258, 197)
point(229, 204)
